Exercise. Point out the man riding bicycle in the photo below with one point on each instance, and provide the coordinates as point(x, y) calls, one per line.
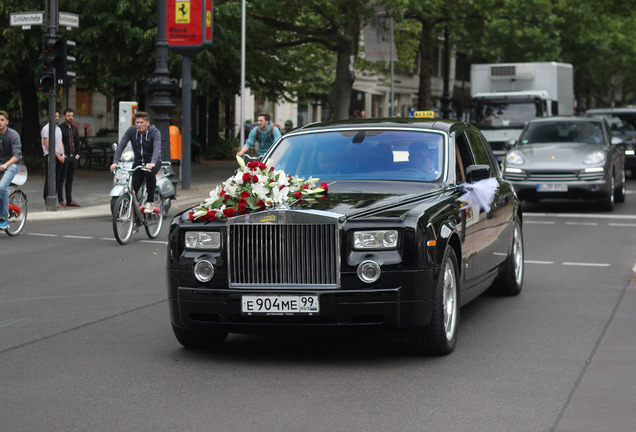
point(146, 146)
point(10, 156)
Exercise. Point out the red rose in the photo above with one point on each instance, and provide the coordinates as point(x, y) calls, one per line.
point(245, 194)
point(271, 169)
point(260, 203)
point(242, 208)
point(242, 201)
point(247, 177)
point(229, 212)
point(253, 165)
point(211, 215)
point(298, 194)
point(191, 215)
point(254, 179)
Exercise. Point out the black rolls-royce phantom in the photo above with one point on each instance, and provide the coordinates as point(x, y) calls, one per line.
point(380, 224)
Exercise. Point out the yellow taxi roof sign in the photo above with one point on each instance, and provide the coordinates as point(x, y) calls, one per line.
point(424, 114)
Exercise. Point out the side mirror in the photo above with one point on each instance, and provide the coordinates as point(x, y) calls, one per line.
point(114, 146)
point(474, 173)
point(510, 143)
point(616, 140)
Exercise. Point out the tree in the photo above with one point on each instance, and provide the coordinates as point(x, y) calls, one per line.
point(333, 24)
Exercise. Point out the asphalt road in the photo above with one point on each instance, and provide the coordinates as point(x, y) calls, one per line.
point(86, 344)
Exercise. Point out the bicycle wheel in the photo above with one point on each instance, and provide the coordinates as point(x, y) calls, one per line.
point(123, 219)
point(154, 220)
point(18, 214)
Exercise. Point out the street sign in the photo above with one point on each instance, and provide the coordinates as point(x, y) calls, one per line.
point(68, 19)
point(189, 25)
point(26, 19)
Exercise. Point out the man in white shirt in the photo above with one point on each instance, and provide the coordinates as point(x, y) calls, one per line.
point(59, 155)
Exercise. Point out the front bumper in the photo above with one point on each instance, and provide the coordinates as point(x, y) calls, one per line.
point(588, 190)
point(405, 305)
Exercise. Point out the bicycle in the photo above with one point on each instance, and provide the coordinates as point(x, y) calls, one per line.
point(17, 203)
point(128, 213)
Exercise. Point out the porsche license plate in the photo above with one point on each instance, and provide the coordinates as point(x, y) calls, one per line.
point(552, 187)
point(280, 304)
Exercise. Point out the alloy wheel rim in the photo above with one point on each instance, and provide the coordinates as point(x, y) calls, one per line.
point(518, 256)
point(449, 300)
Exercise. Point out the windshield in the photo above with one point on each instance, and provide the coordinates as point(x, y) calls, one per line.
point(562, 131)
point(500, 114)
point(362, 155)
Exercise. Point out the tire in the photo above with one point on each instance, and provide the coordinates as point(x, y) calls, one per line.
point(199, 339)
point(123, 219)
point(607, 204)
point(440, 336)
point(510, 279)
point(154, 221)
point(113, 201)
point(16, 224)
point(619, 195)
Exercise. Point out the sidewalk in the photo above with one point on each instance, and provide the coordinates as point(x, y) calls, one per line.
point(91, 189)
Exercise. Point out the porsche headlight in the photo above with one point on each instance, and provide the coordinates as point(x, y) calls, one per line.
point(380, 239)
point(594, 158)
point(515, 158)
point(203, 240)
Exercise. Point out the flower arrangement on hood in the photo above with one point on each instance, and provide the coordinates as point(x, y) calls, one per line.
point(254, 187)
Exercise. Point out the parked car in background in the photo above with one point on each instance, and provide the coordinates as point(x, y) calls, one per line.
point(567, 157)
point(622, 122)
point(411, 221)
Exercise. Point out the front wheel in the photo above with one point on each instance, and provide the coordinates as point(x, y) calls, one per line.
point(440, 336)
point(154, 220)
point(17, 213)
point(123, 219)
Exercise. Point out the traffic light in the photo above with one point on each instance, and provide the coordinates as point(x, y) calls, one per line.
point(68, 60)
point(56, 59)
point(47, 81)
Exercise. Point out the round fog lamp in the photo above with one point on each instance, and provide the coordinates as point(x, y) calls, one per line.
point(203, 270)
point(369, 271)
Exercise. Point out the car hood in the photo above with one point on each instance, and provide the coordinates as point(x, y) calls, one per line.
point(550, 156)
point(365, 198)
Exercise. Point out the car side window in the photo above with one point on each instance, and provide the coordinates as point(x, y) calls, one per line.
point(483, 155)
point(463, 157)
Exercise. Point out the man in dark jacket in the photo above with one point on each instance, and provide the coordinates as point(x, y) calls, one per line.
point(10, 156)
point(70, 138)
point(146, 145)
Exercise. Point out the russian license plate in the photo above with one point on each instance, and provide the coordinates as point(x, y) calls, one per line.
point(280, 304)
point(552, 187)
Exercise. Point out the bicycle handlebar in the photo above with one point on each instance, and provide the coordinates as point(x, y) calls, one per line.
point(141, 167)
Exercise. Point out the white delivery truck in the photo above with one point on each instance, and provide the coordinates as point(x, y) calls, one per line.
point(506, 95)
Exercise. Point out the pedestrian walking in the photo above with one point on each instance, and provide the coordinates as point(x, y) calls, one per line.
point(59, 156)
point(70, 138)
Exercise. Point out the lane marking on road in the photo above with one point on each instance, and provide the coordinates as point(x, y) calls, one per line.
point(154, 241)
point(586, 264)
point(43, 235)
point(109, 239)
point(582, 216)
point(621, 225)
point(78, 237)
point(538, 262)
point(539, 222)
point(10, 321)
point(582, 223)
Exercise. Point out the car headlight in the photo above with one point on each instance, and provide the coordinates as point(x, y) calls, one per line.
point(380, 239)
point(594, 158)
point(207, 240)
point(515, 158)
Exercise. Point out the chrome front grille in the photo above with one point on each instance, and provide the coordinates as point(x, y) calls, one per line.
point(558, 177)
point(283, 255)
point(552, 177)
